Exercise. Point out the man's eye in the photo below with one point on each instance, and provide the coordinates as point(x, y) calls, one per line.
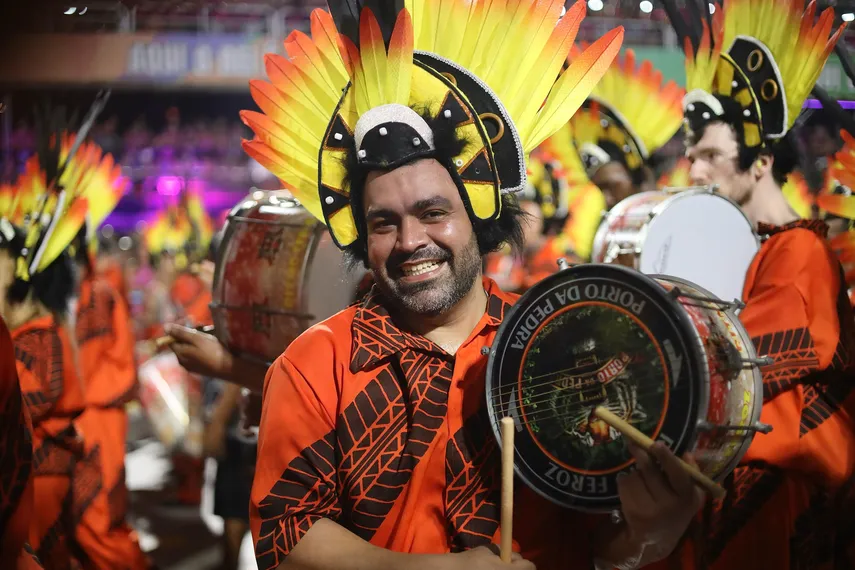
point(434, 214)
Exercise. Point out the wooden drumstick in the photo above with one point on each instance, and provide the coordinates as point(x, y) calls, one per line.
point(641, 440)
point(507, 521)
point(166, 340)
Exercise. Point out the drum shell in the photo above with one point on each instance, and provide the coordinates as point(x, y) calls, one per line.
point(260, 289)
point(694, 234)
point(733, 392)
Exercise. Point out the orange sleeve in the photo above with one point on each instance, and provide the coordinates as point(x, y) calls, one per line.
point(792, 314)
point(16, 492)
point(295, 480)
point(40, 366)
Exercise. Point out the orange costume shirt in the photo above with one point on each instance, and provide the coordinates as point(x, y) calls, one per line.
point(106, 345)
point(54, 397)
point(16, 464)
point(783, 508)
point(386, 434)
point(193, 296)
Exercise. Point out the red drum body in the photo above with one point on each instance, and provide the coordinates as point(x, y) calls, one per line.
point(659, 352)
point(690, 233)
point(266, 269)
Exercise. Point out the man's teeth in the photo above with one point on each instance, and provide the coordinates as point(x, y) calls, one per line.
point(420, 268)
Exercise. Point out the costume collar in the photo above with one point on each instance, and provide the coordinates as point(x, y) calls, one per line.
point(818, 227)
point(376, 337)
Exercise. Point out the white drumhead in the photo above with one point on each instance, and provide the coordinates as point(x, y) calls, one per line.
point(702, 238)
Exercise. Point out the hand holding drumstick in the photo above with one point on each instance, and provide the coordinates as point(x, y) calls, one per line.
point(641, 440)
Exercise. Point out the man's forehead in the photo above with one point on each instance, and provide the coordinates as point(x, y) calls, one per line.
point(717, 136)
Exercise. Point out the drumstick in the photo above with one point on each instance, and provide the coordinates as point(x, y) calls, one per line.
point(166, 340)
point(638, 438)
point(507, 521)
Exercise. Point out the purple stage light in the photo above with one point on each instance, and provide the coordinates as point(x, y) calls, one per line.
point(169, 185)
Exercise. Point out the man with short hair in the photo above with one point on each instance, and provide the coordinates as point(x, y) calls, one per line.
point(744, 96)
point(374, 446)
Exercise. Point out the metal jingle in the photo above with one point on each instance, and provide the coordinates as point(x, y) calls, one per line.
point(562, 264)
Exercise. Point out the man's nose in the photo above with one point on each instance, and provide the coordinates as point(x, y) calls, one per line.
point(412, 235)
point(698, 173)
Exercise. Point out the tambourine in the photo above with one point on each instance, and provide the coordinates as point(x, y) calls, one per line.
point(658, 353)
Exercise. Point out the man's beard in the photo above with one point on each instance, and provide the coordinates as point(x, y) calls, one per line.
point(433, 297)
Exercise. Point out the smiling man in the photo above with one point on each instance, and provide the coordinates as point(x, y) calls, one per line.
point(744, 97)
point(374, 446)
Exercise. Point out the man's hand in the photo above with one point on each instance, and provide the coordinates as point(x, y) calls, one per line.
point(658, 500)
point(487, 558)
point(200, 352)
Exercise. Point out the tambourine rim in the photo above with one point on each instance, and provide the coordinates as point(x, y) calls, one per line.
point(679, 315)
point(748, 343)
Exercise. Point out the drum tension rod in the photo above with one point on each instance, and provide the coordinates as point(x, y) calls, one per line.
point(757, 427)
point(761, 361)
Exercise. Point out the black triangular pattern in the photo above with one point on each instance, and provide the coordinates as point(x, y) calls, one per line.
point(459, 114)
point(338, 127)
point(478, 170)
point(332, 201)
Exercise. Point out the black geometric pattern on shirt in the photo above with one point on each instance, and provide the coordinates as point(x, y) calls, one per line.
point(383, 434)
point(57, 454)
point(473, 487)
point(822, 401)
point(749, 487)
point(86, 482)
point(40, 351)
point(16, 454)
point(813, 540)
point(308, 485)
point(794, 355)
point(95, 318)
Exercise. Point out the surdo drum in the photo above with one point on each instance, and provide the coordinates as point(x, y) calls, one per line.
point(659, 352)
point(691, 233)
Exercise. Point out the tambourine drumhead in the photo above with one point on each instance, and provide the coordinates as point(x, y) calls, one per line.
point(593, 335)
point(695, 235)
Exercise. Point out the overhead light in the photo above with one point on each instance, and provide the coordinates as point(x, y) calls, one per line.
point(83, 11)
point(595, 5)
point(712, 8)
point(646, 6)
point(70, 11)
point(848, 17)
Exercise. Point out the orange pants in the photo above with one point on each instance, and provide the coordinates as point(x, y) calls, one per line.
point(102, 532)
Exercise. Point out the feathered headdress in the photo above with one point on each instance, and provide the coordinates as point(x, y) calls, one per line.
point(838, 196)
point(67, 185)
point(585, 201)
point(630, 114)
point(488, 68)
point(756, 65)
point(679, 176)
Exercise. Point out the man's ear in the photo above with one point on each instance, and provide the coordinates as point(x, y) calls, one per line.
point(762, 165)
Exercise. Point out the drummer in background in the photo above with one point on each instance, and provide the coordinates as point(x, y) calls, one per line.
point(105, 340)
point(37, 282)
point(781, 508)
point(374, 446)
point(544, 202)
point(16, 464)
point(629, 115)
